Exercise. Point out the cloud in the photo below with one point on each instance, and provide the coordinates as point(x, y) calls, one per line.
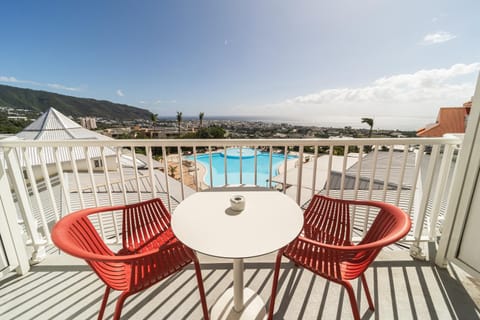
point(57, 86)
point(9, 79)
point(165, 101)
point(62, 87)
point(120, 93)
point(438, 37)
point(418, 86)
point(156, 102)
point(403, 101)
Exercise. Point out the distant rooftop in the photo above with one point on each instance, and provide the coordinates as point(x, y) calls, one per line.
point(449, 120)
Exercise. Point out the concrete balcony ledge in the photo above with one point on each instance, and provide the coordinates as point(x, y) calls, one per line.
point(63, 287)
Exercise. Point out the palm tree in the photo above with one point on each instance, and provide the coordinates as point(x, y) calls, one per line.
point(369, 121)
point(154, 118)
point(179, 120)
point(200, 117)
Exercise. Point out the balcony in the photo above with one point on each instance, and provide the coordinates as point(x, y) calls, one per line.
point(49, 179)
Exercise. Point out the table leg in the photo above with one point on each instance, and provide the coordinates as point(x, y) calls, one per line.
point(238, 284)
point(238, 303)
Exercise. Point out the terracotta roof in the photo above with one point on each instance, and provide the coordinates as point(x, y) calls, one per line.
point(449, 120)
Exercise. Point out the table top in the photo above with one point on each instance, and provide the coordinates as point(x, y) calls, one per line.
point(206, 223)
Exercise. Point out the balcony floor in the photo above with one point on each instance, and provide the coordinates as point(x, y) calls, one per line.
point(63, 287)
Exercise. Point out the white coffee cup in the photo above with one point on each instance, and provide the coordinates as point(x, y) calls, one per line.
point(237, 202)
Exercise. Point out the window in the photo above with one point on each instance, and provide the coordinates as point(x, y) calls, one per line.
point(97, 163)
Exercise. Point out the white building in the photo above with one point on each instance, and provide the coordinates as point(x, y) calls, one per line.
point(88, 123)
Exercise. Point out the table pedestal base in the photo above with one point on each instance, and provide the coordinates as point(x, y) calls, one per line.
point(254, 307)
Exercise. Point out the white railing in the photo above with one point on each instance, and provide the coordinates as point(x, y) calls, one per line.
point(50, 179)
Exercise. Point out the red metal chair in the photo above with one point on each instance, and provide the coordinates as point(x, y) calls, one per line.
point(150, 250)
point(325, 247)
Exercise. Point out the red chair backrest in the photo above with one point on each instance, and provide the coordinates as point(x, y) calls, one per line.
point(327, 220)
point(144, 226)
point(76, 235)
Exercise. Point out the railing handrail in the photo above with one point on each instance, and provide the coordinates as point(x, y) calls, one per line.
point(447, 139)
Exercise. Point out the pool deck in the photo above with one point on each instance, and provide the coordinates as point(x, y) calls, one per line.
point(321, 174)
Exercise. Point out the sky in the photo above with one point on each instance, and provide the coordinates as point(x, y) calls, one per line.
point(326, 63)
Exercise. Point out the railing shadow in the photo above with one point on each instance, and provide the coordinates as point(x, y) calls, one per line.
point(400, 289)
point(413, 289)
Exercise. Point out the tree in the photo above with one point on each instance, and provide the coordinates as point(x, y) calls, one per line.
point(11, 125)
point(154, 118)
point(200, 117)
point(172, 170)
point(212, 132)
point(179, 120)
point(216, 132)
point(368, 121)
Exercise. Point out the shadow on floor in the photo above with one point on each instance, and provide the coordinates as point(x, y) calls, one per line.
point(406, 289)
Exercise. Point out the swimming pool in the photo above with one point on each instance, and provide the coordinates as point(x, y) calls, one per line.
point(233, 166)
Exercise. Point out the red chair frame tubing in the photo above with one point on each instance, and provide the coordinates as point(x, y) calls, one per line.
point(325, 247)
point(150, 251)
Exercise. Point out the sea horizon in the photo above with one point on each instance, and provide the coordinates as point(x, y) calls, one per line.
point(380, 123)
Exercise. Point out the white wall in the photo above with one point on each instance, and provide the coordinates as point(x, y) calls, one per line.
point(461, 235)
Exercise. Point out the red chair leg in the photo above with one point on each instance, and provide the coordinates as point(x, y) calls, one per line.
point(201, 289)
point(104, 303)
point(274, 285)
point(367, 292)
point(119, 305)
point(353, 301)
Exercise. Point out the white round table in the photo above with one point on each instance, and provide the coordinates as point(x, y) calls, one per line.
point(206, 223)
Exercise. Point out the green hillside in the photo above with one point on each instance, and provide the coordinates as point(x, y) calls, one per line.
point(37, 100)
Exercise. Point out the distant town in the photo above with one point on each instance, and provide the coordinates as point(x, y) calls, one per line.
point(189, 128)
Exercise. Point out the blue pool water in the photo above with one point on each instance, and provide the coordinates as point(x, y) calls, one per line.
point(233, 166)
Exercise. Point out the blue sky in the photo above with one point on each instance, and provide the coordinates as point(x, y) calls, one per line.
point(319, 62)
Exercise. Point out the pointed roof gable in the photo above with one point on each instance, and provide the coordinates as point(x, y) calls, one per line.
point(54, 125)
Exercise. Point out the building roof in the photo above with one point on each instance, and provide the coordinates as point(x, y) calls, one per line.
point(388, 166)
point(53, 125)
point(449, 120)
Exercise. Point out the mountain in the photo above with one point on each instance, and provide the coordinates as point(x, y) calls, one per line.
point(20, 98)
